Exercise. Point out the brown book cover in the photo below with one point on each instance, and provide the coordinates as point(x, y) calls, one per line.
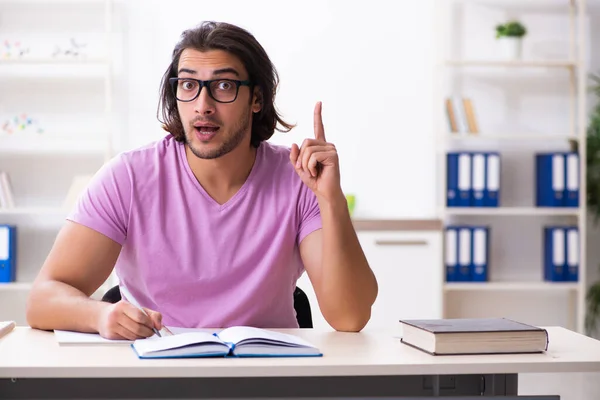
point(451, 116)
point(470, 112)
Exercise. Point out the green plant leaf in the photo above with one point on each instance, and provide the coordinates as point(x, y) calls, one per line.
point(511, 29)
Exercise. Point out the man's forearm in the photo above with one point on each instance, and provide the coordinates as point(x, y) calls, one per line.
point(56, 305)
point(348, 285)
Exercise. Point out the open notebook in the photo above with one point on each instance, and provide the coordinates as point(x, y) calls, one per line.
point(238, 341)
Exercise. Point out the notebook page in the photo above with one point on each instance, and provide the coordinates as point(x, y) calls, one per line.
point(236, 334)
point(156, 343)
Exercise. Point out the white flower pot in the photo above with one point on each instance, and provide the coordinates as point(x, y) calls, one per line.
point(512, 47)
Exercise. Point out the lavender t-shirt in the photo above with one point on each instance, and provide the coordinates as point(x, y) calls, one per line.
point(199, 263)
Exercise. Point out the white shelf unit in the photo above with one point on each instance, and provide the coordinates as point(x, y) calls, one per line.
point(69, 97)
point(469, 66)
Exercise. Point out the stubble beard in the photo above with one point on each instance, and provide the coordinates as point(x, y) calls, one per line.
point(230, 143)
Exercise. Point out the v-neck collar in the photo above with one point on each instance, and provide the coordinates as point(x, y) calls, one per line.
point(237, 196)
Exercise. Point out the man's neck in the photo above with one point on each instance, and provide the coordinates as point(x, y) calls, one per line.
point(222, 177)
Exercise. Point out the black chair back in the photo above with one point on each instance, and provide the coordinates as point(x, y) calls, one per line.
point(301, 304)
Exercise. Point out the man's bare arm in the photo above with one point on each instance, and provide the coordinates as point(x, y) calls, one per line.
point(80, 260)
point(344, 283)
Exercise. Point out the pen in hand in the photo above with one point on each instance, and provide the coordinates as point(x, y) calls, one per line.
point(132, 301)
point(156, 331)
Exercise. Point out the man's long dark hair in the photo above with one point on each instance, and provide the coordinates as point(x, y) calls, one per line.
point(261, 72)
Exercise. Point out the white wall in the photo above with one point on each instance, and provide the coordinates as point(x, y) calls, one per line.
point(373, 74)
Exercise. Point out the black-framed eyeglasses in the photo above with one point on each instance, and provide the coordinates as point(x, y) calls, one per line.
point(220, 90)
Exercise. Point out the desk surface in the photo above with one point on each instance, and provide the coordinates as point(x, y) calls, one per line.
point(29, 353)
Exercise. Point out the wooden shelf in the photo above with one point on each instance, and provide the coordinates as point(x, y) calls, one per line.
point(51, 2)
point(48, 143)
point(511, 286)
point(16, 286)
point(509, 136)
point(52, 211)
point(513, 64)
point(50, 60)
point(45, 68)
point(512, 211)
point(537, 6)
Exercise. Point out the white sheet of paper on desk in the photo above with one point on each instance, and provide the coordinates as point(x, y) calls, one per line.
point(80, 338)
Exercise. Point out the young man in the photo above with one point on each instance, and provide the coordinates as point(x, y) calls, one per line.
point(212, 225)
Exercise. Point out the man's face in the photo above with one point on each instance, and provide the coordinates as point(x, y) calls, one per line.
point(213, 129)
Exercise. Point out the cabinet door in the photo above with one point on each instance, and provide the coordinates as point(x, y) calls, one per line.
point(408, 268)
point(409, 273)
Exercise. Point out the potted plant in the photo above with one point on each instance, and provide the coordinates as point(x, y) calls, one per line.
point(593, 199)
point(510, 35)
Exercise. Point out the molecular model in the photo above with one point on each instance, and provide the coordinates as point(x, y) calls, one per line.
point(20, 123)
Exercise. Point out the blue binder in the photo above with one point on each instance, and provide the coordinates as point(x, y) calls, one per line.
point(452, 179)
point(451, 250)
point(8, 253)
point(572, 180)
point(465, 254)
point(572, 254)
point(550, 173)
point(555, 244)
point(492, 180)
point(480, 250)
point(478, 174)
point(459, 179)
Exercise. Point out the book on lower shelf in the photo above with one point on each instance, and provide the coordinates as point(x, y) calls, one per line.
point(237, 341)
point(462, 336)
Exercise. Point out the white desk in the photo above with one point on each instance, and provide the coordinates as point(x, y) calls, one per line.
point(33, 365)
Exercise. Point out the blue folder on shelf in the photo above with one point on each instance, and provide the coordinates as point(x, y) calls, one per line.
point(480, 247)
point(458, 179)
point(550, 179)
point(465, 254)
point(8, 253)
point(572, 254)
point(557, 179)
point(572, 180)
point(451, 253)
point(491, 197)
point(467, 249)
point(555, 249)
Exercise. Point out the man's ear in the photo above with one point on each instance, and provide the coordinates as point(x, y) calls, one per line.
point(257, 100)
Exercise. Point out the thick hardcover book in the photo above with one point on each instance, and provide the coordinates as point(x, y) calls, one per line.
point(474, 336)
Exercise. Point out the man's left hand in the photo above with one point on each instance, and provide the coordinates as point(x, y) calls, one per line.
point(316, 162)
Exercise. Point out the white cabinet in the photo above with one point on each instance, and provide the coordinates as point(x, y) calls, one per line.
point(407, 267)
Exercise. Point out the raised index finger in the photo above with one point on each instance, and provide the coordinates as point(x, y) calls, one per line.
point(318, 122)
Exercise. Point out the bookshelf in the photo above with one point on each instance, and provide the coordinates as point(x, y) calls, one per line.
point(535, 103)
point(56, 113)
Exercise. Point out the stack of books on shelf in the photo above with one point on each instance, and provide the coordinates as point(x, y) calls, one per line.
point(461, 115)
point(8, 253)
point(6, 195)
